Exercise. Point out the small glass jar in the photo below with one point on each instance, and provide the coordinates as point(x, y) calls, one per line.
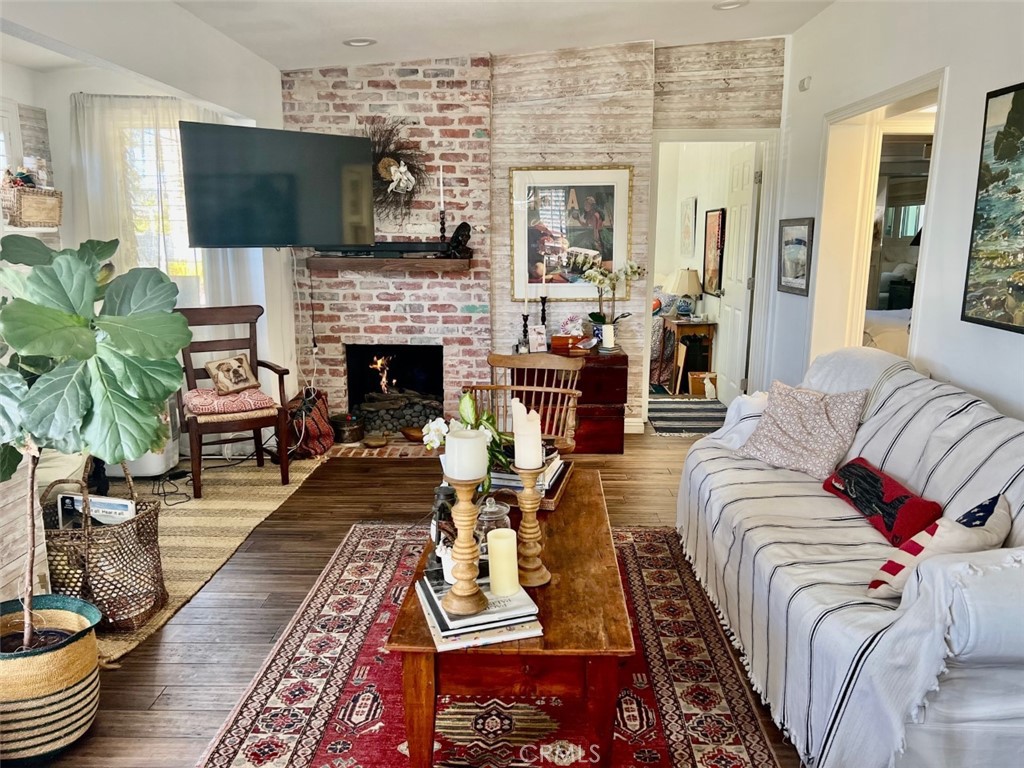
point(441, 511)
point(493, 514)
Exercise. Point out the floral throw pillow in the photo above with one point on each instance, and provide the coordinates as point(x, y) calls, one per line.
point(805, 430)
point(985, 526)
point(232, 374)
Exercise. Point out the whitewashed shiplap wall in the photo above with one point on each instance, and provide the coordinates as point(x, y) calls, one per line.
point(14, 538)
point(575, 107)
point(720, 85)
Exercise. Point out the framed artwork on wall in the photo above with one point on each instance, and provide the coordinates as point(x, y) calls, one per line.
point(562, 213)
point(687, 226)
point(796, 240)
point(994, 286)
point(714, 248)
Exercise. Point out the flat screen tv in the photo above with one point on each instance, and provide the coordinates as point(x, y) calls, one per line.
point(256, 187)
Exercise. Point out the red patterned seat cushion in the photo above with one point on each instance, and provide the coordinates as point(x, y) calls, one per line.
point(206, 401)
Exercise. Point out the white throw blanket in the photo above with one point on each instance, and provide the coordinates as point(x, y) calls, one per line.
point(788, 565)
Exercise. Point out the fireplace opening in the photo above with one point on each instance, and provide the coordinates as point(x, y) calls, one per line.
point(395, 385)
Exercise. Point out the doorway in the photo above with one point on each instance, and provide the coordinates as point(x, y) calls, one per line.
point(707, 214)
point(873, 211)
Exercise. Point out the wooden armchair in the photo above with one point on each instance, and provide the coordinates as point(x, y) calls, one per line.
point(254, 419)
point(543, 382)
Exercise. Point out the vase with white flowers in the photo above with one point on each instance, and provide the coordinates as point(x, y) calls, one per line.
point(607, 281)
point(470, 417)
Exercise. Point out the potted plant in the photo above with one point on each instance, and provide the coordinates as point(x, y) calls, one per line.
point(470, 417)
point(607, 281)
point(93, 360)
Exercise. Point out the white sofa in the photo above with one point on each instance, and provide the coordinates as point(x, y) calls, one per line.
point(935, 679)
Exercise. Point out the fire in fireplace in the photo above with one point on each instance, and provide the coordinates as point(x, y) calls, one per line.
point(395, 385)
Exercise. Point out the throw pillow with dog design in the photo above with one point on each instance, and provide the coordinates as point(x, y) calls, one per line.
point(232, 374)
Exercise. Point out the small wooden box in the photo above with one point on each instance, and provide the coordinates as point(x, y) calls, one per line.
point(562, 342)
point(697, 383)
point(31, 207)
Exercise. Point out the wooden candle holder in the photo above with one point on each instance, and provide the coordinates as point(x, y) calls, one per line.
point(465, 597)
point(532, 572)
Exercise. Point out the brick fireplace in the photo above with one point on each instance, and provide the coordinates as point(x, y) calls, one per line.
point(395, 385)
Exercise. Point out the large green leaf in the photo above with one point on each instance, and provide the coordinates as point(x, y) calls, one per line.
point(34, 330)
point(67, 285)
point(15, 282)
point(10, 458)
point(118, 427)
point(19, 249)
point(13, 390)
point(140, 291)
point(31, 366)
point(56, 404)
point(155, 336)
point(153, 380)
point(98, 251)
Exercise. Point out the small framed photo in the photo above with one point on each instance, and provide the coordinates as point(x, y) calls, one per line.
point(796, 241)
point(714, 250)
point(538, 336)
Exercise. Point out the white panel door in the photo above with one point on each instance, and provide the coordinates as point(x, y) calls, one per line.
point(737, 269)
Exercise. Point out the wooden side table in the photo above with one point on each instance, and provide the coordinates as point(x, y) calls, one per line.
point(682, 327)
point(601, 409)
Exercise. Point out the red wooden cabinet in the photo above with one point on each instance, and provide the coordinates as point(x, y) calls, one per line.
point(601, 409)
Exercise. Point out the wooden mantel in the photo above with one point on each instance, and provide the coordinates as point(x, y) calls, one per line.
point(366, 264)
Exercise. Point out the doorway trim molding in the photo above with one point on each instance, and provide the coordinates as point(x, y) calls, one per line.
point(769, 139)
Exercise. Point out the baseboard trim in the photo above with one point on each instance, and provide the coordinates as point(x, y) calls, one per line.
point(633, 426)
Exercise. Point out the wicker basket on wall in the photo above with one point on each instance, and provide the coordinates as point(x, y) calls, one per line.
point(117, 568)
point(32, 206)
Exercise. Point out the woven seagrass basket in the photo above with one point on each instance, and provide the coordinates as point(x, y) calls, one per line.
point(32, 206)
point(115, 567)
point(50, 695)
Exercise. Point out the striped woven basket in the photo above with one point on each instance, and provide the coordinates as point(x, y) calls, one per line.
point(49, 696)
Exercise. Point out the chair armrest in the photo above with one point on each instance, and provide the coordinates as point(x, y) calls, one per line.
point(986, 624)
point(281, 373)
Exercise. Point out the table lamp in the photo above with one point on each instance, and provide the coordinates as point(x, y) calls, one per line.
point(685, 284)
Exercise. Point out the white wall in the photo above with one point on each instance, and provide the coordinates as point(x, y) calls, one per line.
point(852, 51)
point(17, 83)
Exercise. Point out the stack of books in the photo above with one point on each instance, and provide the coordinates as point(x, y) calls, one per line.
point(553, 467)
point(505, 619)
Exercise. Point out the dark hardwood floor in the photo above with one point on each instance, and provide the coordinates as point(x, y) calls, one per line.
point(170, 695)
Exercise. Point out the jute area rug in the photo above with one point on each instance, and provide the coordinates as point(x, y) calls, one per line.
point(198, 536)
point(330, 696)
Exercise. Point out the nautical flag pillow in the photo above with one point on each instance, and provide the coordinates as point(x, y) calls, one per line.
point(896, 512)
point(984, 527)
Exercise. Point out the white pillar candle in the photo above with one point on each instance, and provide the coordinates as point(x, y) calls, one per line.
point(504, 562)
point(529, 448)
point(465, 454)
point(440, 185)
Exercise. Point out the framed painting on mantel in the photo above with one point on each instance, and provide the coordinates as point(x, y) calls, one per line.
point(563, 217)
point(994, 287)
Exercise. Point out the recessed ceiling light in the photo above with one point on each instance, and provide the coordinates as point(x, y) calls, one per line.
point(729, 5)
point(360, 42)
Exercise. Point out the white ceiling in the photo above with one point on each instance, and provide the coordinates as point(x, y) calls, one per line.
point(297, 34)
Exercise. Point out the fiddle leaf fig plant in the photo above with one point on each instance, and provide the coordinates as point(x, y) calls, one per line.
point(93, 359)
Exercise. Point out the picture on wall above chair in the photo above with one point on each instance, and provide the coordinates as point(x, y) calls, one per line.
point(994, 287)
point(714, 249)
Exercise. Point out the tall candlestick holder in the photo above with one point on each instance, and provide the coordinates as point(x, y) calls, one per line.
point(532, 572)
point(465, 597)
point(441, 220)
point(526, 328)
point(544, 310)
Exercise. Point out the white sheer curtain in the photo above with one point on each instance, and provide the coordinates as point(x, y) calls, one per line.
point(127, 183)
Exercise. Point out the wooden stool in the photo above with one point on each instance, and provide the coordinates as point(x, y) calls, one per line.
point(678, 363)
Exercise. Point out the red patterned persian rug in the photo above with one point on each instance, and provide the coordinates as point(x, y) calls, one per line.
point(329, 696)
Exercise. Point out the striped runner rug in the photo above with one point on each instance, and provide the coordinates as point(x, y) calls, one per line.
point(685, 418)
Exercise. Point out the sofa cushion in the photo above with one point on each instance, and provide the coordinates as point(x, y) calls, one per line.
point(232, 374)
point(894, 511)
point(805, 430)
point(207, 401)
point(983, 527)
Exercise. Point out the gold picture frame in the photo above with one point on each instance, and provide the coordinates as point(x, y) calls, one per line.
point(561, 211)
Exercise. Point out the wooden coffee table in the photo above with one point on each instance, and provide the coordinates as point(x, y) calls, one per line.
point(586, 631)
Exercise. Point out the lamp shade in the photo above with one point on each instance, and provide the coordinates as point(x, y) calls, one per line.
point(685, 282)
